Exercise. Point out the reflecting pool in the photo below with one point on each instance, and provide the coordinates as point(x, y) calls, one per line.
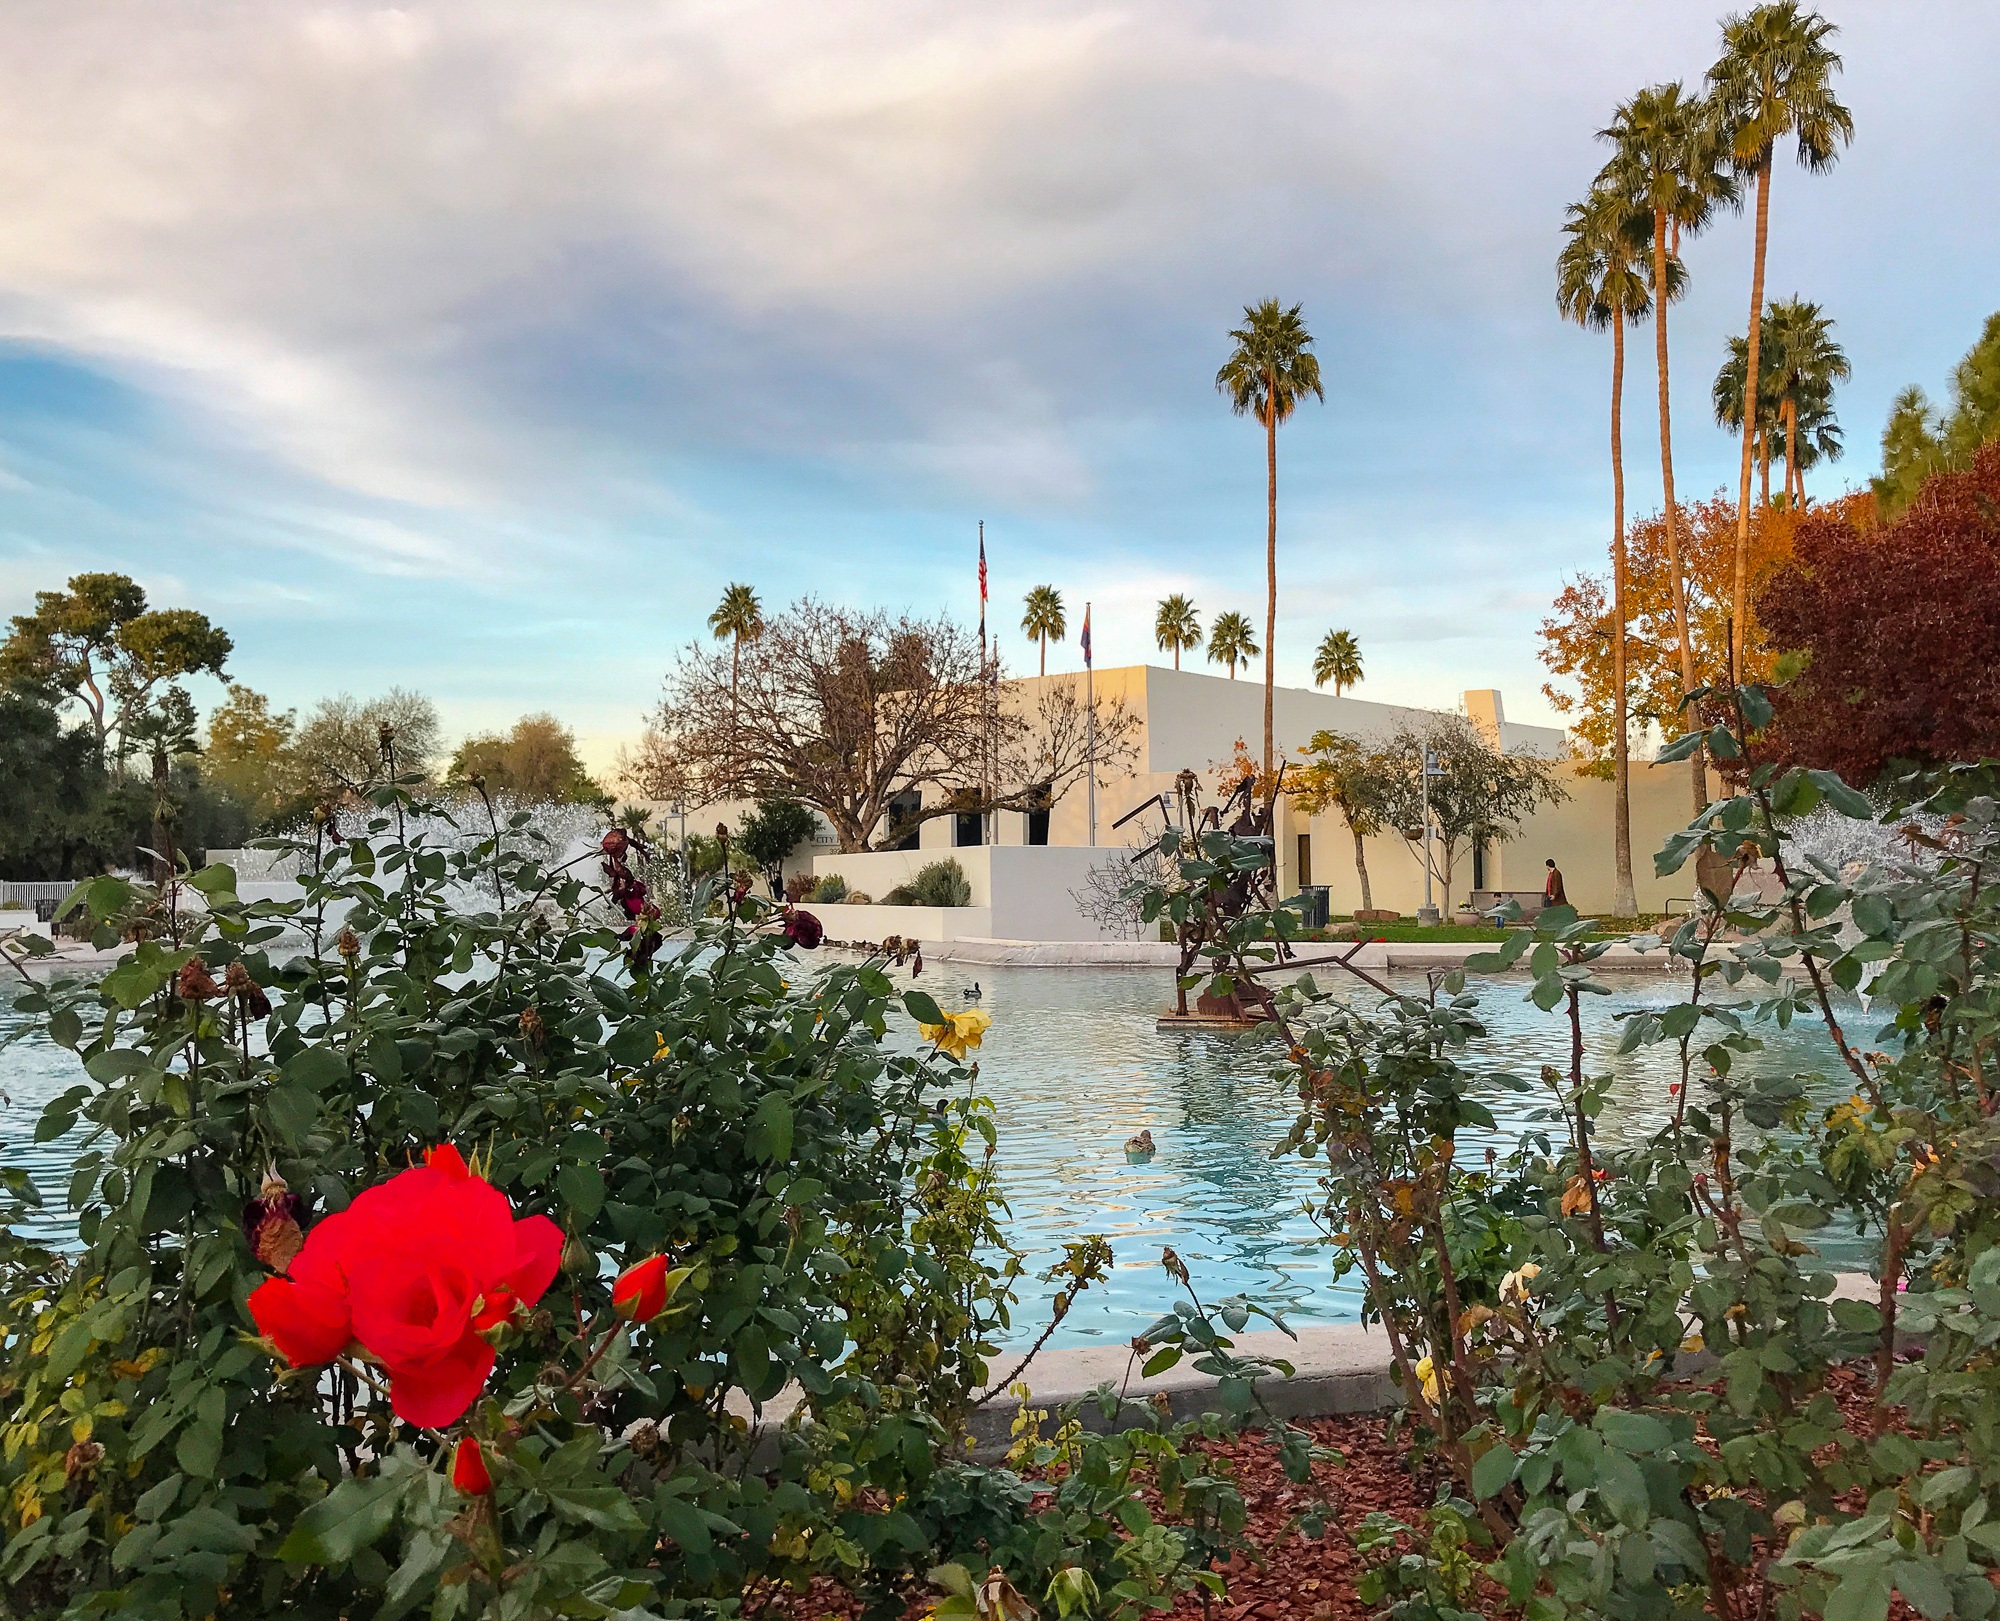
point(1075, 1067)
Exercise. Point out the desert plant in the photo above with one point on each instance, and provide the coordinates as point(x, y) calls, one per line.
point(829, 889)
point(937, 883)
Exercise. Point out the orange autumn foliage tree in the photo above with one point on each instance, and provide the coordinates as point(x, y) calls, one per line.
point(1576, 636)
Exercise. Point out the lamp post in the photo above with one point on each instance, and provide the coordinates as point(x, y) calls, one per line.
point(1427, 914)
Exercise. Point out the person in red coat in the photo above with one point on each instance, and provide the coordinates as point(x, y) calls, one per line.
point(1552, 886)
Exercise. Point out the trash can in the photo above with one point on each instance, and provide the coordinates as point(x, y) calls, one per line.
point(1318, 899)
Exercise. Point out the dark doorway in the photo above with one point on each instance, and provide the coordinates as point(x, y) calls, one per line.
point(903, 810)
point(1038, 816)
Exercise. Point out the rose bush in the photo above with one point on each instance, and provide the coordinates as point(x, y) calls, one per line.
point(267, 1096)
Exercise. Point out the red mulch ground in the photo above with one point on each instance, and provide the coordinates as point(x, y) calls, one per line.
point(1300, 1579)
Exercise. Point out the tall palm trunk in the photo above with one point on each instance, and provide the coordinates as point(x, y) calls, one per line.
point(1764, 470)
point(1624, 903)
point(1794, 476)
point(1270, 563)
point(1739, 600)
point(1698, 769)
point(1177, 655)
point(1044, 640)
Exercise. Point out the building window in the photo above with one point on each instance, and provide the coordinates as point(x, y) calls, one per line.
point(967, 829)
point(903, 809)
point(1478, 864)
point(1038, 816)
point(1305, 859)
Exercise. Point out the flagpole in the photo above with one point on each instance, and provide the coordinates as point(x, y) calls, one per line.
point(986, 818)
point(1090, 721)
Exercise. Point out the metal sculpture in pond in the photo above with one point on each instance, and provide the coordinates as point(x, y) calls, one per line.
point(1248, 815)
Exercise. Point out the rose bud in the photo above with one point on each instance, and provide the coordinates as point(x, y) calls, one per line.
point(194, 983)
point(247, 990)
point(641, 1291)
point(468, 1469)
point(348, 944)
point(271, 1222)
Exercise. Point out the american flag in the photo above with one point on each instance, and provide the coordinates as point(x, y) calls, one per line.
point(1086, 633)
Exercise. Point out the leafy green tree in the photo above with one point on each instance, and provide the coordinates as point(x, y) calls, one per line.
point(1482, 796)
point(1602, 283)
point(338, 747)
point(1343, 774)
point(1667, 160)
point(1920, 441)
point(55, 821)
point(1773, 80)
point(1269, 372)
point(1232, 641)
point(1338, 659)
point(97, 642)
point(1177, 627)
point(1044, 619)
point(533, 763)
point(249, 752)
point(771, 832)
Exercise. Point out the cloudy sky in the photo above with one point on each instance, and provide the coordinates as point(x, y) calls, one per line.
point(475, 347)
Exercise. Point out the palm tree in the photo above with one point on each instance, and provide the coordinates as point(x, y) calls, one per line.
point(1807, 365)
point(1665, 158)
point(1726, 394)
point(1043, 619)
point(1338, 660)
point(1773, 79)
point(1266, 376)
point(1818, 437)
point(1602, 282)
point(1232, 641)
point(1177, 627)
point(741, 616)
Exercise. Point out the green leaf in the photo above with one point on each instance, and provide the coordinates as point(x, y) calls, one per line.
point(1863, 1595)
point(65, 1027)
point(216, 881)
point(920, 1006)
point(1843, 798)
point(605, 1507)
point(1922, 1583)
point(1493, 1470)
point(582, 1189)
point(770, 1135)
point(350, 1517)
point(1161, 1360)
point(316, 1067)
point(1636, 1433)
point(199, 1449)
point(292, 1109)
point(681, 1520)
point(1680, 748)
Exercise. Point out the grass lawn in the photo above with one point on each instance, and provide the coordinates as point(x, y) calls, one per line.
point(1408, 931)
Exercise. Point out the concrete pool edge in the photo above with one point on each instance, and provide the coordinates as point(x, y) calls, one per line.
point(1376, 954)
point(1339, 1369)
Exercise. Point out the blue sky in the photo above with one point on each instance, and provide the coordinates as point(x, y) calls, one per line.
point(476, 347)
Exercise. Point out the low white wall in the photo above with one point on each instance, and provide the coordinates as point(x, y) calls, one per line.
point(911, 922)
point(1023, 891)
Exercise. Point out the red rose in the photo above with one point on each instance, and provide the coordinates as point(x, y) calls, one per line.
point(415, 1269)
point(641, 1291)
point(468, 1469)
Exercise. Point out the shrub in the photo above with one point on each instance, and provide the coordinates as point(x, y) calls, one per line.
point(825, 1204)
point(938, 883)
point(1542, 1307)
point(829, 890)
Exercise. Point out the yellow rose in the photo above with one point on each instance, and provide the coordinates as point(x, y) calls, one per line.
point(1427, 1377)
point(959, 1033)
